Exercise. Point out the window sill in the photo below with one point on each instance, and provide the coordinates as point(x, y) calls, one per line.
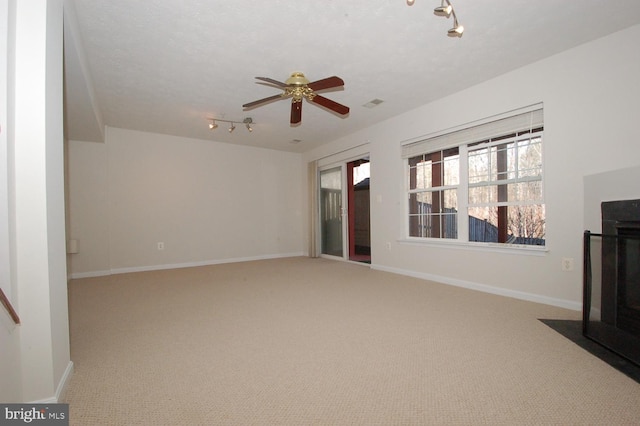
point(484, 247)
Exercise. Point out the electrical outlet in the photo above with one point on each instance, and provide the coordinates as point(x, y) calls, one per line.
point(160, 246)
point(567, 264)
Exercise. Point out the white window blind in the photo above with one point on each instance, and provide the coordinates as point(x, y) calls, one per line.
point(475, 133)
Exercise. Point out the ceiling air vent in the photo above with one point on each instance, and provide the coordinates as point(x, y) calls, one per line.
point(373, 103)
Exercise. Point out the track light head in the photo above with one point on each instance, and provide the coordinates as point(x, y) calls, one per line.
point(443, 10)
point(232, 128)
point(456, 31)
point(213, 125)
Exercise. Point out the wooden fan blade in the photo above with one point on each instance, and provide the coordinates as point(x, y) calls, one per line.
point(326, 83)
point(296, 112)
point(272, 81)
point(328, 103)
point(262, 101)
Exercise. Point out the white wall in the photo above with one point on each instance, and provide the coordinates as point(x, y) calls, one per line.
point(622, 184)
point(35, 187)
point(208, 202)
point(590, 95)
point(11, 389)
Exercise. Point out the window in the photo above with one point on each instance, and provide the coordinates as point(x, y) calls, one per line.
point(493, 172)
point(433, 194)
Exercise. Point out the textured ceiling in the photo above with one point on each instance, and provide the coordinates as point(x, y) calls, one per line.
point(165, 66)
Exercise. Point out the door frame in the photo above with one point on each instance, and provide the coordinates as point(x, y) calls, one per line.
point(347, 205)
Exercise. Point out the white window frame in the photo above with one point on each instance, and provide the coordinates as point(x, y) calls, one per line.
point(436, 189)
point(526, 118)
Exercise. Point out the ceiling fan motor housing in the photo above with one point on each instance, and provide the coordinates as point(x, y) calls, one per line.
point(297, 79)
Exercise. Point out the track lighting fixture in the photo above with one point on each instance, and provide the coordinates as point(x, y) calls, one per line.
point(248, 121)
point(446, 9)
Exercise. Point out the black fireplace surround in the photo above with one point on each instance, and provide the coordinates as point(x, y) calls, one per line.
point(618, 327)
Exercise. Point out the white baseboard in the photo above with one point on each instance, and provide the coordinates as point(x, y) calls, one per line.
point(180, 265)
point(61, 390)
point(90, 274)
point(530, 297)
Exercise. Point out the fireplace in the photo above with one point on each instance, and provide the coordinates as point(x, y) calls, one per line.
point(628, 282)
point(612, 280)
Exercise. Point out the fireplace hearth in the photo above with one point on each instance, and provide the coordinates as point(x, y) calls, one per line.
point(611, 309)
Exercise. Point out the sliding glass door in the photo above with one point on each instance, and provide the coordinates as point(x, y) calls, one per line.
point(331, 212)
point(344, 210)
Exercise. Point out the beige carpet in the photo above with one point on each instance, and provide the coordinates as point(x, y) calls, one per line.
point(315, 342)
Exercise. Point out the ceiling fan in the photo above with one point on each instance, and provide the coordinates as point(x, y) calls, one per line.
point(297, 87)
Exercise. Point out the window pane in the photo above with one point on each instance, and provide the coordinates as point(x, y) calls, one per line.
point(412, 176)
point(450, 225)
point(420, 202)
point(525, 191)
point(452, 170)
point(450, 200)
point(530, 157)
point(483, 224)
point(483, 194)
point(508, 154)
point(416, 226)
point(425, 175)
point(479, 165)
point(525, 224)
point(331, 179)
